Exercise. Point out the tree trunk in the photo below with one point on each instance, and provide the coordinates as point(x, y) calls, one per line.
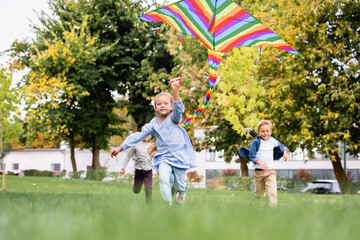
point(339, 172)
point(96, 156)
point(243, 167)
point(96, 150)
point(3, 182)
point(73, 161)
point(2, 152)
point(72, 153)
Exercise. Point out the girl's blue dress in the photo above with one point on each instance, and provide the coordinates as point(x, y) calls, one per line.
point(172, 141)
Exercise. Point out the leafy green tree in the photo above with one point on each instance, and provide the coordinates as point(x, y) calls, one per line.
point(239, 94)
point(10, 126)
point(152, 69)
point(239, 104)
point(59, 80)
point(107, 52)
point(314, 100)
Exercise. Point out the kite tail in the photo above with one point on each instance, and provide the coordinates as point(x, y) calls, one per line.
point(180, 43)
point(214, 59)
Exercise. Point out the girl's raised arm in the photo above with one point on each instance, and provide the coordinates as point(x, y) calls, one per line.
point(175, 87)
point(178, 108)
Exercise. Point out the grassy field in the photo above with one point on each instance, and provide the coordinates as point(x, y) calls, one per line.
point(53, 208)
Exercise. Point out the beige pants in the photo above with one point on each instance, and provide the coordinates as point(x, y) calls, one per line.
point(266, 180)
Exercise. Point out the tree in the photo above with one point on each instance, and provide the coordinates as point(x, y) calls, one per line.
point(301, 93)
point(239, 93)
point(239, 103)
point(314, 100)
point(152, 70)
point(9, 124)
point(59, 79)
point(104, 47)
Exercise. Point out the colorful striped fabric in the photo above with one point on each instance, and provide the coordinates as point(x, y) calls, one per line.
point(220, 25)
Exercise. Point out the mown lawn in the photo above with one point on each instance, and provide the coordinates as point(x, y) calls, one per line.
point(53, 208)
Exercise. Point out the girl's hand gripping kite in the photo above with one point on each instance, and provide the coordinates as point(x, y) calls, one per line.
point(177, 79)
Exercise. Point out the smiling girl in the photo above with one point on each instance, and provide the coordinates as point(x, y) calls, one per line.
point(175, 153)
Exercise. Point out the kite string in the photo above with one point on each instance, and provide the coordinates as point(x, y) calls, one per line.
point(277, 59)
point(155, 29)
point(257, 59)
point(282, 58)
point(159, 29)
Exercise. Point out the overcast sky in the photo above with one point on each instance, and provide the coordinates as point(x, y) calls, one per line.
point(15, 19)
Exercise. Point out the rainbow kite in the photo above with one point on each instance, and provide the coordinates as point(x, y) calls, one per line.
point(220, 25)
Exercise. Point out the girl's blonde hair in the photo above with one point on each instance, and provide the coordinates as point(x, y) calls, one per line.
point(152, 150)
point(262, 123)
point(161, 94)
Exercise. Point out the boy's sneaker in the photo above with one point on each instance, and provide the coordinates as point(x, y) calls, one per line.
point(180, 198)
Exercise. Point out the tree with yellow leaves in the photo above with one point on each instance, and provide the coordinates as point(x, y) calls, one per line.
point(314, 100)
point(85, 53)
point(9, 123)
point(58, 81)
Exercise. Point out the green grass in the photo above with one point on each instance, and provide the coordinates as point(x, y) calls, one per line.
point(53, 208)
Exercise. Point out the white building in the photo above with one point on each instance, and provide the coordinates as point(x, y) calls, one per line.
point(210, 164)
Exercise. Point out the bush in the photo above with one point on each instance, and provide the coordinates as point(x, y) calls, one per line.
point(45, 174)
point(294, 185)
point(193, 176)
point(114, 175)
point(76, 175)
point(30, 172)
point(213, 183)
point(237, 183)
point(305, 175)
point(352, 188)
point(97, 175)
point(38, 173)
point(231, 183)
point(228, 173)
point(247, 184)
